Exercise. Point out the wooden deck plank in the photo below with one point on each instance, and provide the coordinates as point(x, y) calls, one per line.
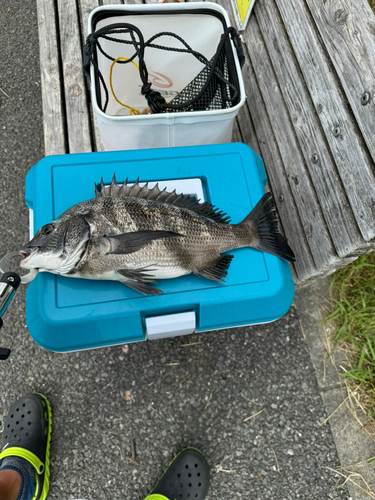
point(286, 207)
point(352, 160)
point(77, 114)
point(86, 7)
point(304, 267)
point(324, 175)
point(53, 112)
point(348, 31)
point(247, 130)
point(296, 170)
point(236, 135)
point(112, 2)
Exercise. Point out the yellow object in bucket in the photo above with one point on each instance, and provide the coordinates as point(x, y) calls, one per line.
point(133, 111)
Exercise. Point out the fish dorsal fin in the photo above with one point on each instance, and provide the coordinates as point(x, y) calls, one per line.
point(144, 192)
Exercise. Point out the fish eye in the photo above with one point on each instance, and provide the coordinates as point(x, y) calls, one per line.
point(47, 229)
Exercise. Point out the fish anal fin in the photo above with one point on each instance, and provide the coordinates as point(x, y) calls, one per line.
point(132, 242)
point(218, 270)
point(139, 281)
point(142, 288)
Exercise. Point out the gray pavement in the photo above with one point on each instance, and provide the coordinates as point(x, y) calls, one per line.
point(102, 399)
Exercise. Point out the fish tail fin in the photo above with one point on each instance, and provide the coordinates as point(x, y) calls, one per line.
point(263, 228)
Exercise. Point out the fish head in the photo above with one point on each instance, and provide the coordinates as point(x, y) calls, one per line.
point(58, 246)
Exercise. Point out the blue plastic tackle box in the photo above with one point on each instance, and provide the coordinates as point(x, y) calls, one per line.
point(66, 314)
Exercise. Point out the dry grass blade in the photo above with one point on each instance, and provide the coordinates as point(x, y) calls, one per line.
point(184, 379)
point(359, 464)
point(327, 340)
point(119, 449)
point(250, 400)
point(348, 477)
point(277, 462)
point(322, 297)
point(220, 469)
point(194, 343)
point(132, 458)
point(4, 93)
point(208, 401)
point(302, 330)
point(252, 416)
point(339, 406)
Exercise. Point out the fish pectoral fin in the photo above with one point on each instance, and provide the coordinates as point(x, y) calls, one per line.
point(218, 271)
point(132, 242)
point(139, 280)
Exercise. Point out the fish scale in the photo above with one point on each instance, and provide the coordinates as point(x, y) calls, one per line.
point(200, 245)
point(134, 234)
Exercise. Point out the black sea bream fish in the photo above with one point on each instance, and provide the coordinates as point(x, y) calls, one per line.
point(135, 235)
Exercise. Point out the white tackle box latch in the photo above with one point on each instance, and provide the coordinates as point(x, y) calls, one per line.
point(170, 325)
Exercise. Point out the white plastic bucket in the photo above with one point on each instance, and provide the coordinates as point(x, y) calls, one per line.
point(201, 26)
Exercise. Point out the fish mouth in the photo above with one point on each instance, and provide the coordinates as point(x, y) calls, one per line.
point(27, 254)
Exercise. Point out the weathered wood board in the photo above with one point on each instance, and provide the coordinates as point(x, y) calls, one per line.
point(76, 107)
point(86, 7)
point(52, 97)
point(303, 100)
point(353, 25)
point(320, 163)
point(291, 223)
point(354, 165)
point(310, 113)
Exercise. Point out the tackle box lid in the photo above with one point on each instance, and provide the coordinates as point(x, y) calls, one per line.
point(67, 314)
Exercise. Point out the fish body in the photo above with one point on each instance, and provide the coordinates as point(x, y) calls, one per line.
point(135, 235)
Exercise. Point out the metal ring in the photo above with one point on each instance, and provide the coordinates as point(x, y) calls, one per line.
point(5, 267)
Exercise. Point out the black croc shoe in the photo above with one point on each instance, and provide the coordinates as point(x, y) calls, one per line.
point(186, 478)
point(27, 434)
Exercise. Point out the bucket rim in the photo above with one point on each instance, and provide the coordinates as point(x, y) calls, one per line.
point(167, 7)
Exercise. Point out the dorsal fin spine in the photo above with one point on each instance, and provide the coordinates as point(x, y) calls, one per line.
point(98, 194)
point(151, 194)
point(171, 195)
point(155, 194)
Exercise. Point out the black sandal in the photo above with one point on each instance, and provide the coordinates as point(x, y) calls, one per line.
point(27, 434)
point(187, 477)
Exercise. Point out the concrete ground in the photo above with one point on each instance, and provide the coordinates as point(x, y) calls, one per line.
point(163, 394)
point(354, 442)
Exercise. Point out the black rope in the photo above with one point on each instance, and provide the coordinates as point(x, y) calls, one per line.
point(154, 99)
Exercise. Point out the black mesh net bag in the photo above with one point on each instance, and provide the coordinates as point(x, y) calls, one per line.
point(215, 87)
